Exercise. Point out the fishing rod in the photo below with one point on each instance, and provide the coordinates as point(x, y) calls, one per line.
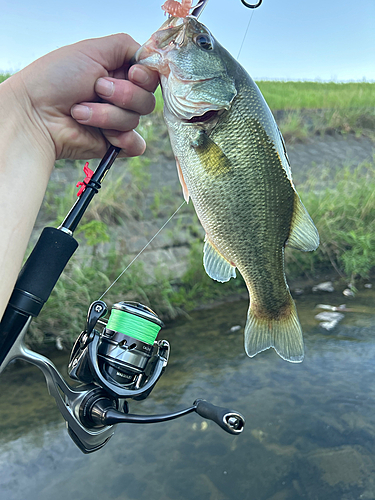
point(113, 360)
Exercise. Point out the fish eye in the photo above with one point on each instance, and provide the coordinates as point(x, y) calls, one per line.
point(204, 41)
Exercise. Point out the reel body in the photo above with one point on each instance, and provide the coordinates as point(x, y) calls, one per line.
point(125, 359)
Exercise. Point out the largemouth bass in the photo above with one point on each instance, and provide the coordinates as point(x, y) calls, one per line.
point(232, 162)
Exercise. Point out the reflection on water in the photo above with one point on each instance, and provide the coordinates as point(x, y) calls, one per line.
point(310, 430)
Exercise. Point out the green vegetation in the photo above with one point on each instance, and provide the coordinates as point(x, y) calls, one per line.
point(345, 217)
point(311, 95)
point(4, 76)
point(159, 100)
point(310, 108)
point(316, 95)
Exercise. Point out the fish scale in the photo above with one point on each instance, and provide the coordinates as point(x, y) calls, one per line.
point(232, 162)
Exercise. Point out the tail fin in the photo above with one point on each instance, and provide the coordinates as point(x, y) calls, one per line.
point(284, 335)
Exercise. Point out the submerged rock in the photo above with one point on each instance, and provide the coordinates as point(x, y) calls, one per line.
point(329, 319)
point(327, 307)
point(326, 286)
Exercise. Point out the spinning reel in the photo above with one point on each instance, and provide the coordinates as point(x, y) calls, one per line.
point(124, 361)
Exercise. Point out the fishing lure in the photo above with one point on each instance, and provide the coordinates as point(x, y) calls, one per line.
point(177, 9)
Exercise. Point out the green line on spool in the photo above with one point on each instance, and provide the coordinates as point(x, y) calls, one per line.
point(133, 326)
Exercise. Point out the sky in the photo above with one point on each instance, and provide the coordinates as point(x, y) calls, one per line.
point(323, 40)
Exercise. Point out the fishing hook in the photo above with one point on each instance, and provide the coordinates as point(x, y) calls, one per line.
point(197, 11)
point(251, 6)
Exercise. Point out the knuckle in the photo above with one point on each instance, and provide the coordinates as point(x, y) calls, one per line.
point(126, 38)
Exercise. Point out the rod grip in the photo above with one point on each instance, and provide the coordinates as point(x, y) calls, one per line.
point(45, 263)
point(35, 283)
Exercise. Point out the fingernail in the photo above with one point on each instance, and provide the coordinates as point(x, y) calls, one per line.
point(80, 112)
point(104, 87)
point(139, 75)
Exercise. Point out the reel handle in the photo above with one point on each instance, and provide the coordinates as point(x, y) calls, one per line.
point(231, 421)
point(103, 413)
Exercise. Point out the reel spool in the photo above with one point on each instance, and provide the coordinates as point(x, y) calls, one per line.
point(128, 343)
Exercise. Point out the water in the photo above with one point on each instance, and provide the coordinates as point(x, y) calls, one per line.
point(310, 428)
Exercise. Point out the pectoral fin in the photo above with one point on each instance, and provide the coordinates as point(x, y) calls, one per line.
point(303, 233)
point(185, 190)
point(211, 155)
point(217, 267)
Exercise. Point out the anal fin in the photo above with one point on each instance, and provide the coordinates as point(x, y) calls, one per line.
point(303, 233)
point(217, 267)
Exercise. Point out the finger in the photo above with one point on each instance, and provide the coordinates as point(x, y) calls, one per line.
point(105, 116)
point(144, 77)
point(125, 94)
point(131, 143)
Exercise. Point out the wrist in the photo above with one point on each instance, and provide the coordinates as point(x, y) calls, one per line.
point(21, 127)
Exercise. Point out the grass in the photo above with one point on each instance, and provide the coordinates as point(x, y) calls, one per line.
point(316, 95)
point(4, 76)
point(310, 95)
point(345, 217)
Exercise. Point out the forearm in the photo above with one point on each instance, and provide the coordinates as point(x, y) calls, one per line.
point(26, 161)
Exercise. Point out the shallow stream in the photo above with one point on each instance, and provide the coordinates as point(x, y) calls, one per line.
point(310, 427)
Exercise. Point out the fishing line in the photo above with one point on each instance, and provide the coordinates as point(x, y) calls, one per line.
point(244, 37)
point(144, 248)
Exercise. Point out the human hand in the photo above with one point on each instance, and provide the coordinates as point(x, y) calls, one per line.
point(81, 96)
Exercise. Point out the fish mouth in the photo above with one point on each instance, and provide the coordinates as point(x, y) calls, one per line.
point(153, 52)
point(206, 117)
point(173, 34)
point(187, 96)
